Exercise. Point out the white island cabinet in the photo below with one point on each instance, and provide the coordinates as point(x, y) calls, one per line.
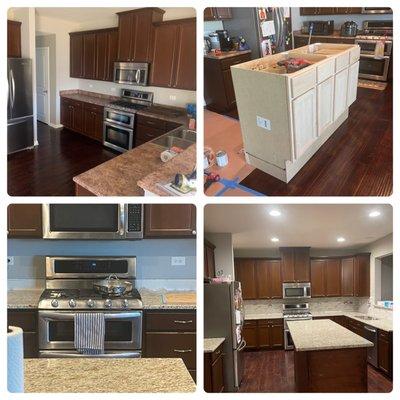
point(286, 117)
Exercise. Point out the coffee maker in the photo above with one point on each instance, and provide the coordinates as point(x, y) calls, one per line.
point(225, 41)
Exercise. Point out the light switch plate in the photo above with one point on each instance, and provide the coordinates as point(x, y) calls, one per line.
point(178, 261)
point(263, 123)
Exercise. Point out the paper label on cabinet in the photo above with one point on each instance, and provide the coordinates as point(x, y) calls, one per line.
point(264, 123)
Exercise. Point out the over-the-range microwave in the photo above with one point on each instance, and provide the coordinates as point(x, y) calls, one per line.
point(301, 290)
point(92, 221)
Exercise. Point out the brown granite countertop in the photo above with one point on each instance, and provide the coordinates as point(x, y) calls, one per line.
point(335, 35)
point(182, 163)
point(226, 54)
point(98, 99)
point(85, 375)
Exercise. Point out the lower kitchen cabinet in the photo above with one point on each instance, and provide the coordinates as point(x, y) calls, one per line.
point(24, 221)
point(385, 352)
point(214, 371)
point(171, 334)
point(93, 121)
point(263, 334)
point(170, 220)
point(27, 321)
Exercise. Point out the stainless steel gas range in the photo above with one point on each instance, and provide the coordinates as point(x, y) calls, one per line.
point(119, 119)
point(293, 312)
point(70, 290)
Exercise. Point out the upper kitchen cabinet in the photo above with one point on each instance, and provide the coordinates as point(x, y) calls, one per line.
point(362, 275)
point(174, 55)
point(268, 279)
point(24, 221)
point(170, 220)
point(295, 264)
point(245, 273)
point(209, 260)
point(89, 55)
point(106, 53)
point(13, 39)
point(76, 55)
point(136, 32)
point(347, 266)
point(326, 277)
point(217, 13)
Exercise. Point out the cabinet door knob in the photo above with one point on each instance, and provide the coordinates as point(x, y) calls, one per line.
point(193, 232)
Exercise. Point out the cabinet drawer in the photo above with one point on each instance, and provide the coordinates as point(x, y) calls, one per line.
point(325, 70)
point(302, 83)
point(171, 322)
point(146, 133)
point(151, 122)
point(172, 345)
point(354, 55)
point(26, 320)
point(227, 63)
point(342, 61)
point(217, 352)
point(251, 322)
point(93, 107)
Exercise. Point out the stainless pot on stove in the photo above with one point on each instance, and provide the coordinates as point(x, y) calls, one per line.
point(112, 286)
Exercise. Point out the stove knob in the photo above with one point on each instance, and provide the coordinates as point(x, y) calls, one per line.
point(72, 303)
point(125, 303)
point(54, 303)
point(90, 303)
point(108, 303)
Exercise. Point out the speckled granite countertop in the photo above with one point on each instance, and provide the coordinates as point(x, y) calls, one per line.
point(182, 163)
point(226, 54)
point(98, 99)
point(23, 298)
point(211, 344)
point(153, 300)
point(261, 315)
point(335, 35)
point(323, 334)
point(85, 375)
point(381, 323)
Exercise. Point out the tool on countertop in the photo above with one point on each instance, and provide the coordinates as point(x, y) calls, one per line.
point(185, 183)
point(210, 179)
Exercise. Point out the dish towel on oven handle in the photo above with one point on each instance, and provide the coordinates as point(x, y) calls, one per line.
point(89, 333)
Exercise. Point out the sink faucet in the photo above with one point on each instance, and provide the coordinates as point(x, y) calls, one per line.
point(310, 31)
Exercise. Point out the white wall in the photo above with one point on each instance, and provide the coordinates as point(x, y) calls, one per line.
point(28, 48)
point(224, 264)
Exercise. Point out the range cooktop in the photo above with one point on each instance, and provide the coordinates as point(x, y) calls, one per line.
point(127, 104)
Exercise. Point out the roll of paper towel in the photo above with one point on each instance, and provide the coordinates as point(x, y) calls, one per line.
point(15, 360)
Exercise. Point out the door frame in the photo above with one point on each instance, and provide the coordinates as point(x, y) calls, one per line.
point(47, 53)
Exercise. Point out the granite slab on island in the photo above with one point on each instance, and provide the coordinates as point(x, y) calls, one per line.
point(85, 375)
point(211, 344)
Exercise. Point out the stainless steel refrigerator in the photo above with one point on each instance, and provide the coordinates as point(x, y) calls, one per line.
point(262, 36)
point(224, 317)
point(19, 107)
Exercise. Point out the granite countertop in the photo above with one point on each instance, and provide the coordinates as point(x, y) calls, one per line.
point(336, 35)
point(323, 334)
point(153, 300)
point(97, 99)
point(226, 54)
point(262, 315)
point(23, 298)
point(182, 163)
point(211, 344)
point(383, 324)
point(83, 375)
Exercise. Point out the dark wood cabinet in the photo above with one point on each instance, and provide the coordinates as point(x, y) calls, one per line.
point(13, 39)
point(295, 264)
point(171, 335)
point(170, 220)
point(318, 288)
point(268, 279)
point(24, 221)
point(209, 260)
point(347, 273)
point(385, 352)
point(362, 275)
point(72, 114)
point(217, 13)
point(93, 121)
point(245, 273)
point(214, 371)
point(76, 55)
point(329, 10)
point(135, 33)
point(27, 320)
point(106, 54)
point(89, 56)
point(326, 277)
point(219, 92)
point(263, 334)
point(333, 278)
point(174, 54)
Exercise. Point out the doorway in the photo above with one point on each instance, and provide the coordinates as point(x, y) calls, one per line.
point(43, 84)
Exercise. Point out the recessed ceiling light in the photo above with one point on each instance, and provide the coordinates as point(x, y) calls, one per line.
point(341, 239)
point(374, 214)
point(274, 213)
point(274, 239)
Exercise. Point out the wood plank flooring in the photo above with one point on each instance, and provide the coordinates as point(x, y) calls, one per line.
point(48, 169)
point(273, 372)
point(357, 160)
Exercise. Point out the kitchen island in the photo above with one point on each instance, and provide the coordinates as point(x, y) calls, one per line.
point(328, 357)
point(83, 375)
point(287, 116)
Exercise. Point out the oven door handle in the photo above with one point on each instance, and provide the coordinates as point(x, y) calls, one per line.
point(120, 126)
point(54, 315)
point(373, 56)
point(72, 354)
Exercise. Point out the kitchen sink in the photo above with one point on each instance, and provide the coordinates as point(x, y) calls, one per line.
point(367, 318)
point(185, 135)
point(182, 139)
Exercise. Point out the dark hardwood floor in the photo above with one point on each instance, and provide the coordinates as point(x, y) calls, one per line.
point(273, 372)
point(48, 169)
point(357, 160)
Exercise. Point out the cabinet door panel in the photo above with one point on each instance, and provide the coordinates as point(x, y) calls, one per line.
point(245, 273)
point(325, 104)
point(304, 121)
point(217, 372)
point(262, 279)
point(340, 103)
point(275, 279)
point(250, 334)
point(125, 36)
point(76, 56)
point(352, 84)
point(112, 54)
point(13, 39)
point(362, 275)
point(89, 55)
point(347, 267)
point(276, 334)
point(24, 220)
point(101, 56)
point(209, 259)
point(229, 88)
point(287, 257)
point(264, 340)
point(302, 264)
point(318, 278)
point(333, 278)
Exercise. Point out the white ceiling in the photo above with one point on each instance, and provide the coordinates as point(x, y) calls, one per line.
point(312, 225)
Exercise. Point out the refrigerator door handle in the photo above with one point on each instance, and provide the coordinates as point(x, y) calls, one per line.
point(242, 345)
point(12, 88)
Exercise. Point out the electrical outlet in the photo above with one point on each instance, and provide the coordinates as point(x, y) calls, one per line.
point(178, 261)
point(10, 260)
point(172, 97)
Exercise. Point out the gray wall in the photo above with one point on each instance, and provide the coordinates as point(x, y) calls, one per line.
point(154, 268)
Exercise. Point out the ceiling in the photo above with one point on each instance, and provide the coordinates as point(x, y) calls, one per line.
point(312, 225)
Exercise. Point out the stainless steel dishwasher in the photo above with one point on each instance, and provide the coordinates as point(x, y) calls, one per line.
point(371, 334)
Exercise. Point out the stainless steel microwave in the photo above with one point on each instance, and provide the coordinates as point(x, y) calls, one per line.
point(92, 221)
point(131, 73)
point(300, 290)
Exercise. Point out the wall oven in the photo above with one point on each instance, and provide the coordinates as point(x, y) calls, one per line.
point(374, 68)
point(92, 221)
point(123, 334)
point(300, 290)
point(118, 129)
point(131, 73)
